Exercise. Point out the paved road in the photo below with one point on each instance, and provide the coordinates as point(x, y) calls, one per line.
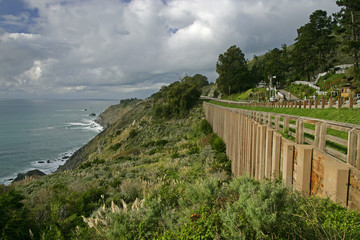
point(286, 93)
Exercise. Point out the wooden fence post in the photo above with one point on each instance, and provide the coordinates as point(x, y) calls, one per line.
point(317, 134)
point(322, 137)
point(288, 163)
point(286, 123)
point(351, 102)
point(269, 123)
point(358, 152)
point(299, 131)
point(351, 154)
point(275, 158)
point(268, 152)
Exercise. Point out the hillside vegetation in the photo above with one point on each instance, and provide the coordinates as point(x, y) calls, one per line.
point(146, 177)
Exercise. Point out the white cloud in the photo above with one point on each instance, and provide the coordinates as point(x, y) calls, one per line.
point(112, 48)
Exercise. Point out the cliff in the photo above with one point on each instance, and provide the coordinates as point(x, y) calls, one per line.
point(114, 120)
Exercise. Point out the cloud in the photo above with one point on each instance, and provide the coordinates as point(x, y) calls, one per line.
point(119, 49)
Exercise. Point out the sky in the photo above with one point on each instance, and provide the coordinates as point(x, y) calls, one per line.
point(130, 48)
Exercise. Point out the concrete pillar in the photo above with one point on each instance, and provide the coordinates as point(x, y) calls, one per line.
point(288, 163)
point(302, 168)
point(336, 180)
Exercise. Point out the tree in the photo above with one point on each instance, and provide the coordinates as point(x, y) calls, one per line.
point(348, 20)
point(258, 69)
point(234, 75)
point(197, 80)
point(276, 64)
point(315, 46)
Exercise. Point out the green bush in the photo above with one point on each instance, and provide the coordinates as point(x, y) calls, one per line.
point(217, 143)
point(132, 133)
point(115, 147)
point(205, 127)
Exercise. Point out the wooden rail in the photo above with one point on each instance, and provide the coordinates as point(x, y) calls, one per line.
point(317, 132)
point(320, 103)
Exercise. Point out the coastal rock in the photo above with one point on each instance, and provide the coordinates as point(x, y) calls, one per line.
point(92, 114)
point(41, 161)
point(31, 173)
point(48, 161)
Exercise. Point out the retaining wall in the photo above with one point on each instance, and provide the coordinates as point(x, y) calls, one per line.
point(256, 149)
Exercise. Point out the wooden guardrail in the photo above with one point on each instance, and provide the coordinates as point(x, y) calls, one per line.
point(322, 134)
point(309, 104)
point(317, 157)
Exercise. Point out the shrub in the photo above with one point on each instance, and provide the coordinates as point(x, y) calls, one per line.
point(217, 143)
point(132, 133)
point(115, 147)
point(205, 127)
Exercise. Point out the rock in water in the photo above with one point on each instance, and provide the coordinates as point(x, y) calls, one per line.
point(31, 173)
point(92, 114)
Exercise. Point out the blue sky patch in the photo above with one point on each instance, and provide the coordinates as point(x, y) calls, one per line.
point(15, 16)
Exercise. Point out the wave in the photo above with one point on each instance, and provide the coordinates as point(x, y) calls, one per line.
point(46, 166)
point(90, 125)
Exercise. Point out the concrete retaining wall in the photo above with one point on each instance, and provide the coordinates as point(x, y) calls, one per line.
point(259, 151)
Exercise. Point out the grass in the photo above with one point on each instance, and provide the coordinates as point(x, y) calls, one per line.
point(340, 115)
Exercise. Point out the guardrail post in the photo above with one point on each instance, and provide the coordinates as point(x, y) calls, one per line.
point(275, 158)
point(317, 134)
point(268, 152)
point(304, 103)
point(316, 103)
point(303, 168)
point(310, 103)
point(269, 123)
point(330, 102)
point(323, 100)
point(286, 123)
point(288, 163)
point(322, 137)
point(351, 152)
point(299, 131)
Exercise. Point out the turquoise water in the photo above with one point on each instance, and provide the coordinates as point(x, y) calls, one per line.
point(42, 134)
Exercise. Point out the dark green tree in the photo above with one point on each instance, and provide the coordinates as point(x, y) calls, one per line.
point(276, 64)
point(234, 75)
point(315, 45)
point(258, 69)
point(197, 80)
point(348, 19)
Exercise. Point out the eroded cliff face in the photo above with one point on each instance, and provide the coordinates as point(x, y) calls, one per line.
point(114, 120)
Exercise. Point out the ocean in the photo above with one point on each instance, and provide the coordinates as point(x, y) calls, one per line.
point(42, 134)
